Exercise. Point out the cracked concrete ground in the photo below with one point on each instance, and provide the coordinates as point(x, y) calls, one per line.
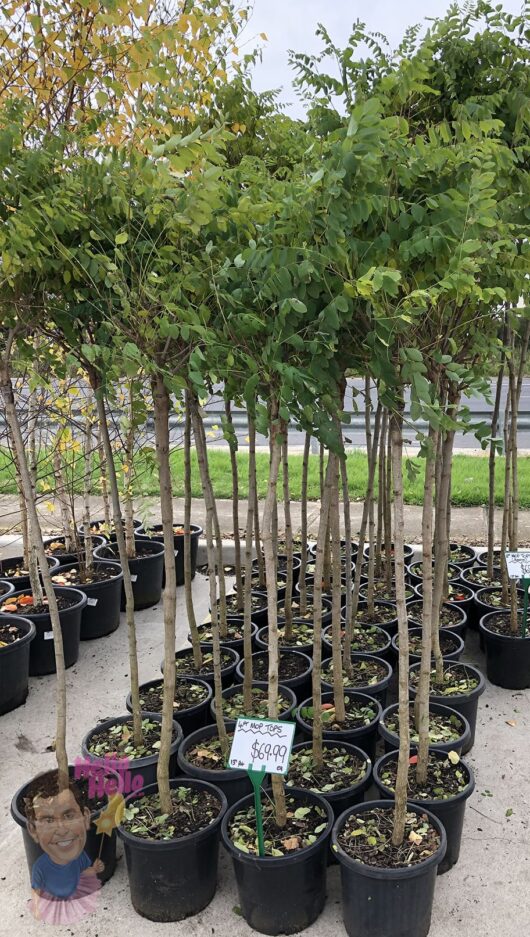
point(486, 893)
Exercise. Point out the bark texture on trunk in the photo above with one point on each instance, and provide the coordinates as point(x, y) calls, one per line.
point(188, 585)
point(422, 697)
point(317, 619)
point(232, 446)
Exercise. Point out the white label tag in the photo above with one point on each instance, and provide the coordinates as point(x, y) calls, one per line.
point(91, 601)
point(48, 635)
point(262, 745)
point(518, 564)
point(134, 577)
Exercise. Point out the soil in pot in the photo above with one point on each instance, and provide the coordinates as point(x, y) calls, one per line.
point(507, 654)
point(384, 613)
point(56, 546)
point(258, 606)
point(190, 702)
point(384, 594)
point(178, 542)
point(342, 778)
point(490, 599)
point(477, 577)
point(365, 640)
point(447, 728)
point(294, 671)
point(102, 585)
point(200, 756)
point(301, 637)
point(284, 891)
point(16, 635)
point(184, 665)
point(460, 688)
point(234, 636)
point(448, 785)
point(234, 703)
point(451, 617)
point(451, 644)
point(416, 572)
point(193, 810)
point(367, 673)
point(14, 571)
point(308, 616)
point(71, 603)
point(114, 737)
point(387, 890)
point(359, 728)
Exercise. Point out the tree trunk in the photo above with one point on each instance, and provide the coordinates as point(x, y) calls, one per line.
point(378, 562)
point(161, 414)
point(188, 585)
point(202, 457)
point(400, 807)
point(336, 624)
point(422, 697)
point(87, 491)
point(103, 480)
point(269, 547)
point(303, 531)
point(200, 445)
point(316, 675)
point(232, 446)
point(389, 564)
point(247, 603)
point(288, 539)
point(506, 512)
point(257, 536)
point(347, 540)
point(128, 477)
point(124, 559)
point(40, 555)
point(492, 464)
point(61, 494)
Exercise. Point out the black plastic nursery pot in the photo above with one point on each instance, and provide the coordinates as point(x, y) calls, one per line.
point(507, 655)
point(450, 812)
point(408, 550)
point(143, 767)
point(97, 845)
point(178, 541)
point(459, 745)
point(482, 557)
point(364, 736)
point(233, 625)
point(100, 529)
point(378, 902)
point(262, 643)
point(354, 794)
point(14, 664)
point(172, 879)
point(281, 894)
point(6, 588)
point(42, 651)
point(22, 582)
point(227, 671)
point(448, 638)
point(70, 556)
point(415, 574)
point(483, 603)
point(146, 571)
point(462, 555)
point(366, 639)
point(101, 614)
point(465, 704)
point(189, 719)
point(377, 690)
point(462, 596)
point(234, 784)
point(259, 614)
point(301, 685)
point(284, 715)
point(385, 616)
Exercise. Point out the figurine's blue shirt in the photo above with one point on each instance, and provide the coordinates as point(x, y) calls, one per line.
point(60, 881)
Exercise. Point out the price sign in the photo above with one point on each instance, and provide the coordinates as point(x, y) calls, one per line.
point(262, 745)
point(518, 564)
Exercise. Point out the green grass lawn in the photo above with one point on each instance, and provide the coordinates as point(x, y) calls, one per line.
point(469, 485)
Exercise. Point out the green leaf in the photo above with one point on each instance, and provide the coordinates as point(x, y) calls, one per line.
point(121, 238)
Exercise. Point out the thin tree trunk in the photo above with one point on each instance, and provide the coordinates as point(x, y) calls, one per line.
point(316, 675)
point(188, 585)
point(161, 414)
point(389, 564)
point(124, 559)
point(422, 696)
point(288, 540)
point(303, 532)
point(61, 493)
point(507, 498)
point(269, 547)
point(400, 807)
point(103, 480)
point(247, 599)
point(40, 555)
point(492, 464)
point(200, 445)
point(378, 561)
point(202, 449)
point(336, 624)
point(347, 540)
point(232, 446)
point(87, 491)
point(128, 473)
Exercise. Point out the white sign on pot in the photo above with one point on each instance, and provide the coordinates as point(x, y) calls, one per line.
point(262, 745)
point(518, 564)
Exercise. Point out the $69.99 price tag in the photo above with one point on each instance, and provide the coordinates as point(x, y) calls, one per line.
point(262, 745)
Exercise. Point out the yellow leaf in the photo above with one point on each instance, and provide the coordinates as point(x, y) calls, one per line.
point(264, 37)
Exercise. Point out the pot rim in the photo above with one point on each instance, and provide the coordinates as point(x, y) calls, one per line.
point(189, 709)
point(502, 637)
point(389, 735)
point(25, 639)
point(256, 684)
point(476, 692)
point(167, 844)
point(80, 604)
point(137, 763)
point(67, 566)
point(348, 692)
point(331, 743)
point(133, 559)
point(461, 795)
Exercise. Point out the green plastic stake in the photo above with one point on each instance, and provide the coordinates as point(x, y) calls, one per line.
point(256, 779)
point(524, 626)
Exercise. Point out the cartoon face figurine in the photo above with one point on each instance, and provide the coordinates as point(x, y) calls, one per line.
point(64, 879)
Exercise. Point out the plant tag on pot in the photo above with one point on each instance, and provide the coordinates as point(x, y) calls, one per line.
point(262, 745)
point(134, 577)
point(518, 564)
point(48, 635)
point(91, 601)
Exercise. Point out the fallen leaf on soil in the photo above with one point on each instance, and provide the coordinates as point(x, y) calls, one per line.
point(413, 760)
point(10, 608)
point(327, 706)
point(292, 842)
point(511, 722)
point(25, 600)
point(415, 838)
